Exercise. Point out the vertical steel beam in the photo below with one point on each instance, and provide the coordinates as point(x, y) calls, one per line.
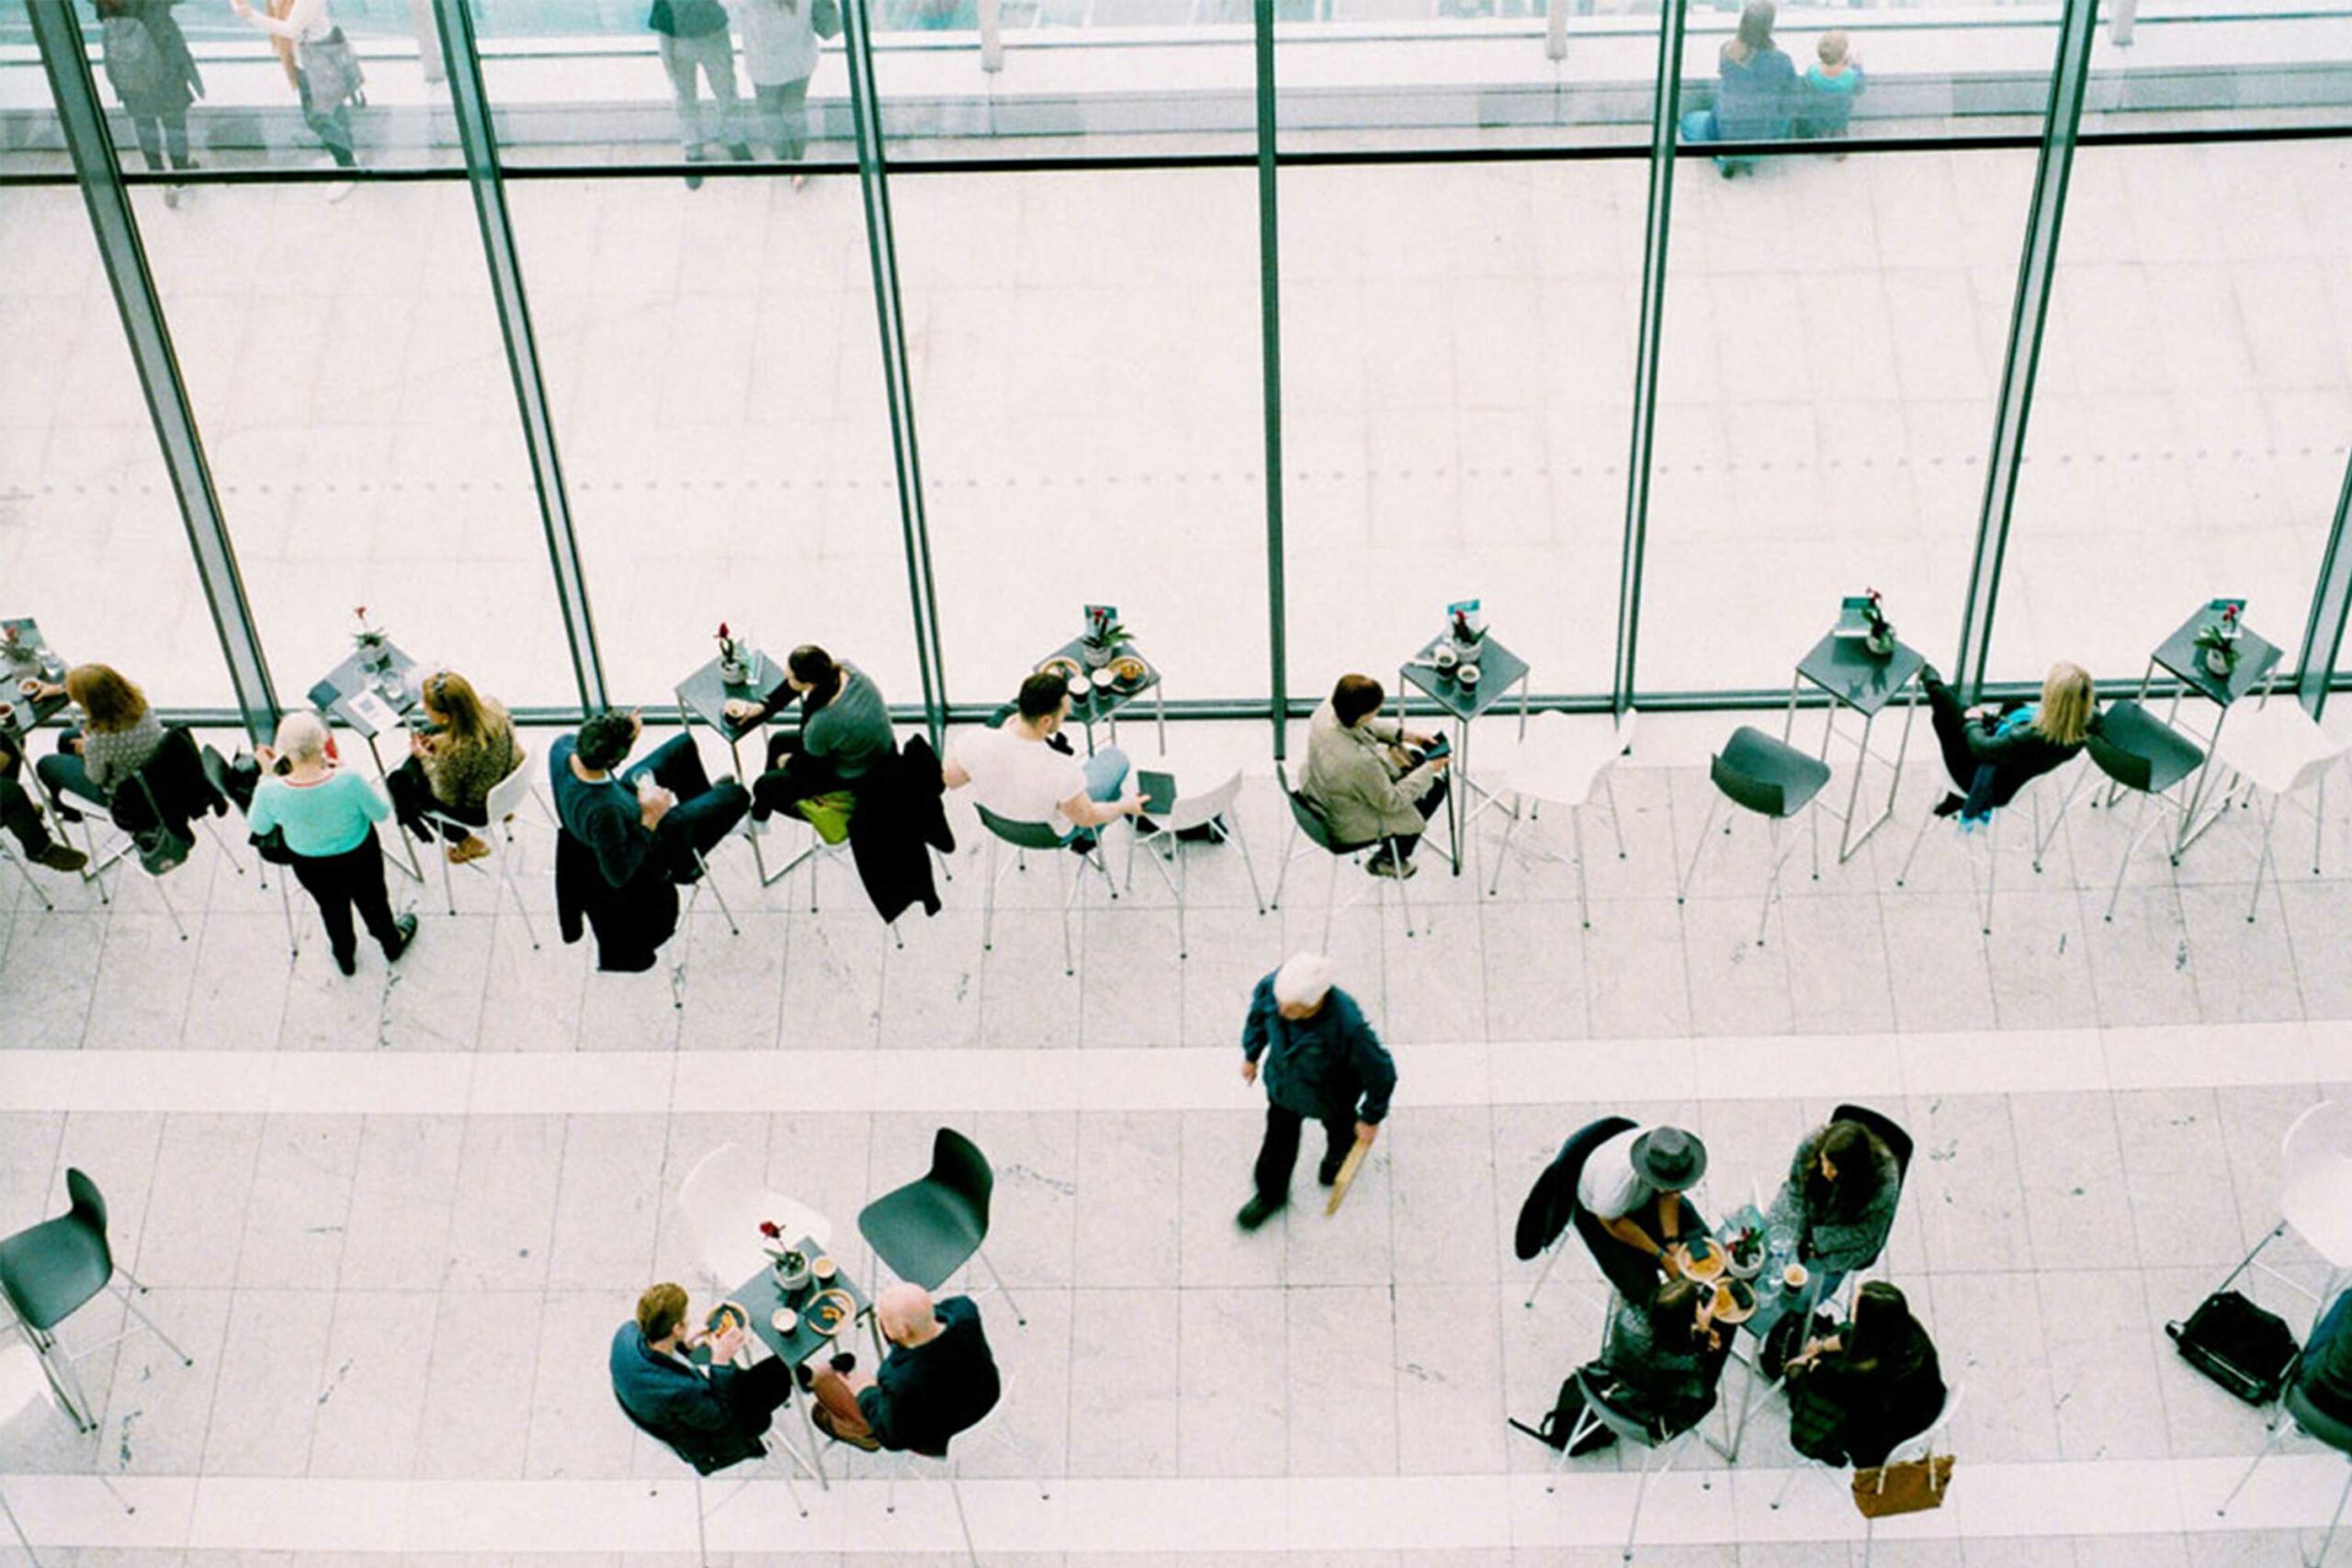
point(882, 252)
point(2036, 273)
point(1665, 114)
point(1269, 338)
point(58, 30)
point(2331, 608)
point(470, 103)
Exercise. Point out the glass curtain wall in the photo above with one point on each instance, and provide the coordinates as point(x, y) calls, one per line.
point(1464, 205)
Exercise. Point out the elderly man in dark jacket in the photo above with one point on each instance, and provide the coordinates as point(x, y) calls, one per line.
point(1322, 1061)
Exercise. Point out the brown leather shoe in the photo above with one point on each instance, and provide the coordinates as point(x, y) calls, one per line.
point(824, 1420)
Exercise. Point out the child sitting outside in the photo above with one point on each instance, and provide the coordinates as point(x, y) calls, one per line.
point(1830, 88)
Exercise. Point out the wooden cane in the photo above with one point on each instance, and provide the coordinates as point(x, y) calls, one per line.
point(1348, 1168)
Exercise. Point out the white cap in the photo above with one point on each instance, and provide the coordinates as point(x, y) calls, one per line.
point(1303, 980)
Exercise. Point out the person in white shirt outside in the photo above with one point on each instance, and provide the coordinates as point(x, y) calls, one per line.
point(326, 73)
point(1018, 774)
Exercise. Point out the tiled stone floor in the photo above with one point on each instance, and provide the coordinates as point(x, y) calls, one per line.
point(395, 1219)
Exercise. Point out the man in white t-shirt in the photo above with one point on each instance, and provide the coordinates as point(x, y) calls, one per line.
point(1015, 775)
point(1633, 1184)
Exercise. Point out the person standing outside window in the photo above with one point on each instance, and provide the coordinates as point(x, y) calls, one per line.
point(693, 36)
point(326, 70)
point(780, 55)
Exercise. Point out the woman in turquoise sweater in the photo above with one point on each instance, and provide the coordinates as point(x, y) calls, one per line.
point(328, 818)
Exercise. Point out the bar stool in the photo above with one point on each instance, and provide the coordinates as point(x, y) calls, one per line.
point(2280, 750)
point(1772, 779)
point(2145, 754)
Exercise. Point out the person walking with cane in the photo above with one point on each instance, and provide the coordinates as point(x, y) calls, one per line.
point(1321, 1062)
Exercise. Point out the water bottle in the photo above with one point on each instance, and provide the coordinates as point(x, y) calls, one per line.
point(1780, 1250)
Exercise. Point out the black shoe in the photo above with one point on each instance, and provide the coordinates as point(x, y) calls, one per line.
point(1327, 1173)
point(693, 177)
point(741, 151)
point(406, 926)
point(844, 1362)
point(1928, 676)
point(805, 1377)
point(67, 813)
point(62, 857)
point(1949, 805)
point(1258, 1211)
point(347, 963)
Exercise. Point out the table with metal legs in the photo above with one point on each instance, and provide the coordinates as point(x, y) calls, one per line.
point(759, 1296)
point(394, 684)
point(1103, 701)
point(2255, 669)
point(1866, 682)
point(704, 695)
point(1499, 670)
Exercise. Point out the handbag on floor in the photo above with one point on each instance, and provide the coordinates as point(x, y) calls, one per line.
point(1912, 1487)
point(2240, 1346)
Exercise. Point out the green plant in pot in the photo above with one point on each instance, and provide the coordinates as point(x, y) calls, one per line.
point(2217, 642)
point(1102, 641)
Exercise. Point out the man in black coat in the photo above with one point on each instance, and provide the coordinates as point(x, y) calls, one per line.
point(1322, 1063)
point(712, 1415)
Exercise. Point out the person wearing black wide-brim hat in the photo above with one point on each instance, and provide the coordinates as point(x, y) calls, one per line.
point(1633, 1187)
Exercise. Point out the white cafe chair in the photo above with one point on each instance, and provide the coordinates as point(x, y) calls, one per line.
point(1922, 1446)
point(504, 800)
point(2280, 751)
point(1562, 761)
point(1191, 813)
point(724, 1197)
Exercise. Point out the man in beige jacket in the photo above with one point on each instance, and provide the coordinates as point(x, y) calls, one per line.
point(1363, 782)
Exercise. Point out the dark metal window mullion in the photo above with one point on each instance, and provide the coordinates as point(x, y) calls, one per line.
point(1664, 128)
point(470, 101)
point(2331, 608)
point(90, 143)
point(1270, 331)
point(865, 114)
point(2029, 315)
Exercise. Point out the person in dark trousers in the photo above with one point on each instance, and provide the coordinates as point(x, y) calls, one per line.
point(845, 730)
point(1857, 1393)
point(2323, 1370)
point(712, 1414)
point(20, 814)
point(1633, 1186)
point(329, 818)
point(1321, 1060)
point(149, 65)
point(1839, 1200)
point(939, 1379)
point(665, 809)
point(1992, 756)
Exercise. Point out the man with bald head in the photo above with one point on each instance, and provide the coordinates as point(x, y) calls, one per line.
point(1323, 1062)
point(939, 1378)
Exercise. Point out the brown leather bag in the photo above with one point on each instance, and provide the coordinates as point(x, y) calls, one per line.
point(1912, 1487)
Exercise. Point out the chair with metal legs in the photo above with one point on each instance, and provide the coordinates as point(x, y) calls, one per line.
point(1910, 1450)
point(1556, 765)
point(25, 871)
point(499, 808)
point(908, 1463)
point(1305, 820)
point(1547, 1218)
point(1660, 1458)
point(724, 1199)
point(2298, 1414)
point(928, 1228)
point(685, 927)
point(2142, 753)
point(218, 770)
point(1040, 837)
point(1191, 814)
point(2042, 838)
point(704, 1508)
point(26, 1391)
point(2279, 751)
point(50, 1271)
point(1772, 779)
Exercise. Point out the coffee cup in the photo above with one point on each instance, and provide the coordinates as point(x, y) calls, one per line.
point(1793, 1278)
point(823, 1267)
point(1105, 679)
point(784, 1320)
point(30, 686)
point(1445, 658)
point(1467, 674)
point(1079, 688)
point(7, 716)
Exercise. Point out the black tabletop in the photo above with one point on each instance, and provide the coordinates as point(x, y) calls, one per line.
point(706, 697)
point(333, 692)
point(1101, 701)
point(25, 655)
point(1499, 670)
point(2181, 656)
point(761, 1297)
point(1842, 667)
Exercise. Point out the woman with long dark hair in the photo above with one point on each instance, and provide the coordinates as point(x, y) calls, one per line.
point(1839, 1200)
point(1857, 1393)
point(468, 746)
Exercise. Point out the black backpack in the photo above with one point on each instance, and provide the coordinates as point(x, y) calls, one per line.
point(2247, 1351)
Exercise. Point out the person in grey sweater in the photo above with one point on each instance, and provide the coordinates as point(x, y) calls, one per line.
point(1839, 1200)
point(844, 731)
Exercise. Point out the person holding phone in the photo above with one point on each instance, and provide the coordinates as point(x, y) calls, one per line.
point(460, 744)
point(329, 818)
point(1364, 782)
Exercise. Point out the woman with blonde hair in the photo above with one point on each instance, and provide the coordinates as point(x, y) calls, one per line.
point(466, 746)
point(1992, 755)
point(117, 735)
point(328, 818)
